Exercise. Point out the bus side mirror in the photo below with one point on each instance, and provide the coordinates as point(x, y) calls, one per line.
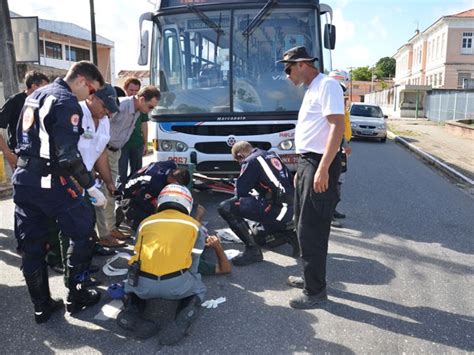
point(329, 36)
point(143, 55)
point(143, 58)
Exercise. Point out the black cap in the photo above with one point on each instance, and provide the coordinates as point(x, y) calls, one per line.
point(297, 54)
point(109, 96)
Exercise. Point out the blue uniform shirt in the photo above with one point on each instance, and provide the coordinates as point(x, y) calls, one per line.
point(148, 182)
point(51, 118)
point(265, 172)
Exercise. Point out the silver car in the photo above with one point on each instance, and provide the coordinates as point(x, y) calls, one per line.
point(368, 121)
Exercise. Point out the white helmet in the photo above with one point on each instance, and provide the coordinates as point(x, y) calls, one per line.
point(176, 194)
point(341, 76)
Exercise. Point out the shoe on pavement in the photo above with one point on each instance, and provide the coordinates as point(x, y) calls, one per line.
point(119, 235)
point(250, 255)
point(295, 281)
point(111, 242)
point(102, 251)
point(336, 224)
point(305, 301)
point(339, 215)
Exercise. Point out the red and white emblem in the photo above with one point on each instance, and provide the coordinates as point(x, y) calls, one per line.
point(276, 163)
point(75, 119)
point(28, 118)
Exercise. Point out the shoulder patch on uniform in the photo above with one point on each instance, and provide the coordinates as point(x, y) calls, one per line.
point(276, 163)
point(28, 118)
point(75, 119)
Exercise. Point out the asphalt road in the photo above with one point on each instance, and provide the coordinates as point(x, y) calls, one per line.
point(400, 279)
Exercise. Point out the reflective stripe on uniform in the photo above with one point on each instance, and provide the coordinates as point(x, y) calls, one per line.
point(270, 174)
point(198, 251)
point(44, 137)
point(43, 134)
point(282, 213)
point(167, 220)
point(137, 179)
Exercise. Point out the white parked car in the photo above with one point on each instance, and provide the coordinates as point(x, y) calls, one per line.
point(368, 121)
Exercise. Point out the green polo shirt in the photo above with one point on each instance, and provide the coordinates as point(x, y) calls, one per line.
point(136, 139)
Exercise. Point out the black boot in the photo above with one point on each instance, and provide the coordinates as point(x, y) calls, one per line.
point(129, 316)
point(175, 330)
point(79, 297)
point(158, 312)
point(252, 253)
point(38, 287)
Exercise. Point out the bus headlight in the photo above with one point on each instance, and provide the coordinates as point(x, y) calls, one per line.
point(286, 144)
point(172, 146)
point(166, 146)
point(181, 147)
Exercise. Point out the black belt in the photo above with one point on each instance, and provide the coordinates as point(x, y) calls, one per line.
point(35, 165)
point(311, 155)
point(112, 149)
point(162, 277)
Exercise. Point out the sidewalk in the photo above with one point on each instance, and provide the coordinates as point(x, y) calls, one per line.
point(449, 153)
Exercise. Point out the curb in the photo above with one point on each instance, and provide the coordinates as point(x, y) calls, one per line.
point(431, 159)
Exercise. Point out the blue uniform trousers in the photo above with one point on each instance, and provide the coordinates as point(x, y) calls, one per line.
point(35, 207)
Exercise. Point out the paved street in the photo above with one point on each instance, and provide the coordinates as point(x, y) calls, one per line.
point(400, 277)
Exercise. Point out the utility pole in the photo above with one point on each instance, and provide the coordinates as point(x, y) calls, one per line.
point(93, 35)
point(7, 53)
point(350, 83)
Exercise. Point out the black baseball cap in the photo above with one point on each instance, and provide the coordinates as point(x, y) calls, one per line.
point(108, 95)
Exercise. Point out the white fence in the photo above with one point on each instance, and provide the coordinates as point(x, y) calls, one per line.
point(449, 105)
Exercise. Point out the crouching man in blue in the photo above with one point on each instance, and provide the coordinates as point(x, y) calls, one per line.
point(48, 158)
point(265, 173)
point(164, 269)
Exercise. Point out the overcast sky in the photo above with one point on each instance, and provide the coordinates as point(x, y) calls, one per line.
point(366, 30)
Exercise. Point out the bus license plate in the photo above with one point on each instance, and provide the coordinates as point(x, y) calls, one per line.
point(289, 158)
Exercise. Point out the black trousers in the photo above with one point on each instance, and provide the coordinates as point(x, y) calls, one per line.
point(313, 214)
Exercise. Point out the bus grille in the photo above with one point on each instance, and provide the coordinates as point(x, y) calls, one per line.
point(223, 148)
point(236, 130)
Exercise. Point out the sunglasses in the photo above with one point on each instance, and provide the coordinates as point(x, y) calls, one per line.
point(288, 69)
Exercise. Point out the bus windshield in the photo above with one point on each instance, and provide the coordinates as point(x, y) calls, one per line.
point(200, 70)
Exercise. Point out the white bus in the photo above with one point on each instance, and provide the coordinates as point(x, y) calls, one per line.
point(215, 64)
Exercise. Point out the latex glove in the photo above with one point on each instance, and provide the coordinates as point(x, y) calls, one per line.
point(97, 198)
point(213, 303)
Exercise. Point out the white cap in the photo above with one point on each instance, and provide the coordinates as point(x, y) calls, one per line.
point(175, 193)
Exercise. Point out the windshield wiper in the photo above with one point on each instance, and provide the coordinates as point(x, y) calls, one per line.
point(206, 19)
point(258, 19)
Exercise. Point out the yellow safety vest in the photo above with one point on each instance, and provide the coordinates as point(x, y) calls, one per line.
point(347, 126)
point(165, 242)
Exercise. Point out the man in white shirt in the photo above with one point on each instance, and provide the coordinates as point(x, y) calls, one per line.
point(97, 109)
point(318, 135)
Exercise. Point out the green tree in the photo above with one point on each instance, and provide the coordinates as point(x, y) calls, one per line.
point(385, 68)
point(362, 74)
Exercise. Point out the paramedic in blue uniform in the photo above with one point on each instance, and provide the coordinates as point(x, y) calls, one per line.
point(48, 158)
point(318, 135)
point(140, 192)
point(273, 207)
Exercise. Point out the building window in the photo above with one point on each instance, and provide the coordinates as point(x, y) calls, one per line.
point(76, 54)
point(462, 77)
point(466, 43)
point(53, 50)
point(440, 79)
